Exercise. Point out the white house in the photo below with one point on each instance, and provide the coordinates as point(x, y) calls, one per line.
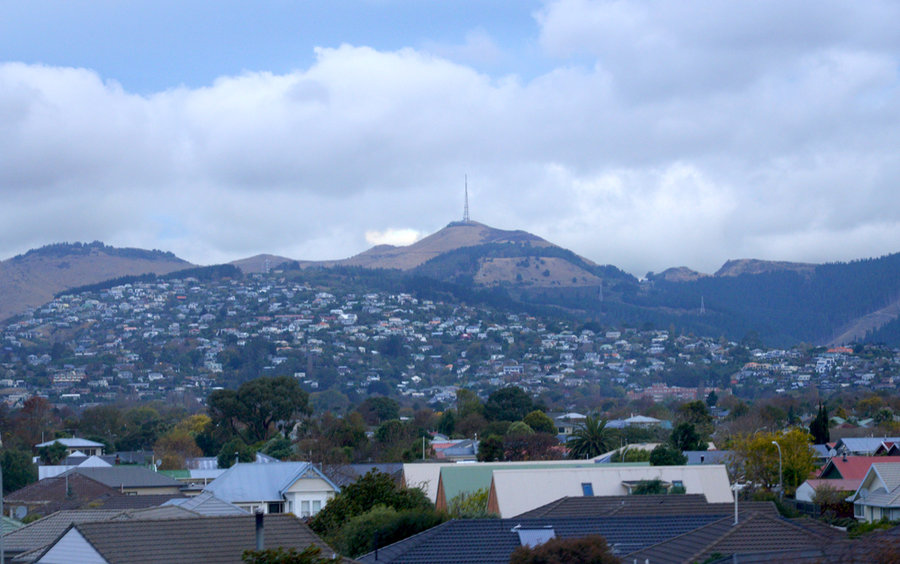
point(878, 496)
point(515, 491)
point(279, 487)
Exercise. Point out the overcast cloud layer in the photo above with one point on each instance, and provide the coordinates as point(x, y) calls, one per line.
point(655, 134)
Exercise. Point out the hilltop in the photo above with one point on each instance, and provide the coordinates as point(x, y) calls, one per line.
point(33, 278)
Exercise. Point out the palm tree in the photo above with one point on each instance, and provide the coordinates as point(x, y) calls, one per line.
point(589, 439)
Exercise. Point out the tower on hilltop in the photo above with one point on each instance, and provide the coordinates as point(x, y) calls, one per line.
point(466, 209)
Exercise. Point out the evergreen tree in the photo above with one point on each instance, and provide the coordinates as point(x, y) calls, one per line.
point(818, 428)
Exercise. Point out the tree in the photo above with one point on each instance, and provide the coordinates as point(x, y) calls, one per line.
point(381, 526)
point(818, 428)
point(589, 439)
point(697, 413)
point(756, 458)
point(469, 505)
point(540, 422)
point(649, 487)
point(174, 448)
point(490, 449)
point(591, 549)
point(53, 454)
point(665, 455)
point(18, 470)
point(508, 404)
point(467, 403)
point(244, 453)
point(309, 555)
point(447, 423)
point(252, 411)
point(712, 398)
point(375, 488)
point(378, 409)
point(685, 437)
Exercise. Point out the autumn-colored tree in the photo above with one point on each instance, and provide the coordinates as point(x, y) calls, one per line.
point(756, 458)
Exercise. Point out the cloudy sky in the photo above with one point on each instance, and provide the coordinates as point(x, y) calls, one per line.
point(640, 134)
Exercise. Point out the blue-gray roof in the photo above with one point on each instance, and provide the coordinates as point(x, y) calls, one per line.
point(262, 482)
point(708, 456)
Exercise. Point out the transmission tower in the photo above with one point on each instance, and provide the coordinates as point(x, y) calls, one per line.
point(466, 209)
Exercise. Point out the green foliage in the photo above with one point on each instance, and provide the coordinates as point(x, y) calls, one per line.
point(631, 455)
point(490, 449)
point(508, 404)
point(591, 549)
point(309, 555)
point(381, 526)
point(53, 454)
point(696, 413)
point(375, 488)
point(279, 447)
point(589, 439)
point(756, 458)
point(18, 470)
point(540, 422)
point(252, 411)
point(519, 428)
point(470, 505)
point(447, 423)
point(245, 453)
point(531, 446)
point(665, 455)
point(819, 427)
point(378, 409)
point(649, 487)
point(685, 437)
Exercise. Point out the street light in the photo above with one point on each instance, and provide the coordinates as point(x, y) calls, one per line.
point(780, 473)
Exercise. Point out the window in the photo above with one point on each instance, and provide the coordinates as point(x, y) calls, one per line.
point(304, 509)
point(587, 489)
point(316, 506)
point(276, 507)
point(858, 510)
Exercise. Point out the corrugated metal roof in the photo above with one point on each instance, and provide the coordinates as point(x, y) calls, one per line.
point(261, 482)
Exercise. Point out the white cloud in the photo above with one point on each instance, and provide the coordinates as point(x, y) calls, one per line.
point(396, 237)
point(667, 134)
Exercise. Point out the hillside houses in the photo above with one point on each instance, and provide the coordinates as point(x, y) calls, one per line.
point(148, 340)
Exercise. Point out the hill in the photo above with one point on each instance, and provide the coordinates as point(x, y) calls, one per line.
point(33, 278)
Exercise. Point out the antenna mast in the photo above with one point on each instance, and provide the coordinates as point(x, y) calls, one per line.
point(466, 210)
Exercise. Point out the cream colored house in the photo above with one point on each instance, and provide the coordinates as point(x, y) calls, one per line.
point(515, 491)
point(278, 487)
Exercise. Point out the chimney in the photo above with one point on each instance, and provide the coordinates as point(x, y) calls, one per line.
point(259, 529)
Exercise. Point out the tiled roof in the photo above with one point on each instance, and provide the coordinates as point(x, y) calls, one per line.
point(493, 540)
point(631, 505)
point(50, 495)
point(755, 533)
point(346, 474)
point(205, 539)
point(123, 502)
point(127, 476)
point(44, 531)
point(853, 467)
point(207, 504)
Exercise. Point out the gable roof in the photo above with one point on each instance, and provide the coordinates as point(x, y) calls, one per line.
point(207, 504)
point(50, 494)
point(513, 491)
point(72, 442)
point(754, 533)
point(44, 531)
point(204, 539)
point(460, 478)
point(493, 540)
point(633, 505)
point(126, 476)
point(262, 482)
point(881, 486)
point(852, 467)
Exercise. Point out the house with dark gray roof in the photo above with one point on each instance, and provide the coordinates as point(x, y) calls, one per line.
point(488, 541)
point(210, 540)
point(132, 480)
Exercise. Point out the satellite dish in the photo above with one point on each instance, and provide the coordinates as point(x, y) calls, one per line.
point(20, 512)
